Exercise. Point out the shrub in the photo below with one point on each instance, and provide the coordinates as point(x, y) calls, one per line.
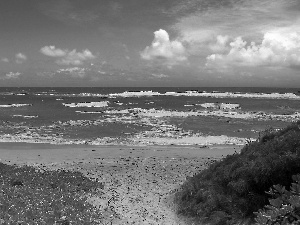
point(31, 196)
point(284, 207)
point(237, 184)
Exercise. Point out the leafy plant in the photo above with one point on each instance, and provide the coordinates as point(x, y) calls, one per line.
point(284, 207)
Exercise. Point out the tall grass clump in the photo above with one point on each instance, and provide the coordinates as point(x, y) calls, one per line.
point(31, 196)
point(231, 190)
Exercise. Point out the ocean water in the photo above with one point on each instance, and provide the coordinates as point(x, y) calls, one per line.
point(143, 116)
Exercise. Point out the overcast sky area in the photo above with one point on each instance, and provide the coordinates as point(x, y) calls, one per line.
point(150, 43)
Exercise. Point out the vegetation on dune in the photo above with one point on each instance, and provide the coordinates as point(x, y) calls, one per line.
point(32, 196)
point(284, 207)
point(231, 190)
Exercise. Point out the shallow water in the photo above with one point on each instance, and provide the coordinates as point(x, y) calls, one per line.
point(119, 115)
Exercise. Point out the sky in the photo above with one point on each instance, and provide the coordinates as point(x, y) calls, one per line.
point(196, 43)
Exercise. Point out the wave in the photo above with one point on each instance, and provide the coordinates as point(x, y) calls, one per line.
point(26, 117)
point(160, 113)
point(87, 112)
point(128, 94)
point(192, 140)
point(223, 106)
point(14, 105)
point(56, 94)
point(87, 104)
point(133, 94)
point(13, 93)
point(134, 141)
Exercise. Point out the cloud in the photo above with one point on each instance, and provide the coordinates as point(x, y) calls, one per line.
point(20, 58)
point(221, 44)
point(203, 20)
point(74, 71)
point(5, 60)
point(11, 75)
point(102, 72)
point(45, 74)
point(66, 57)
point(277, 49)
point(171, 52)
point(52, 51)
point(160, 76)
point(76, 58)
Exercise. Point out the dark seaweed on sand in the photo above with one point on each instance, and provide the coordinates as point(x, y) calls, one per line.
point(33, 196)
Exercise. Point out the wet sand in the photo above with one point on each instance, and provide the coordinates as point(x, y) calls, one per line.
point(138, 181)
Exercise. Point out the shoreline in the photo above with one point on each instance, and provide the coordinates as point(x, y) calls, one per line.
point(138, 180)
point(147, 138)
point(45, 145)
point(46, 152)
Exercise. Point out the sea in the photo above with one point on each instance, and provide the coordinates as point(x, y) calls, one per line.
point(144, 115)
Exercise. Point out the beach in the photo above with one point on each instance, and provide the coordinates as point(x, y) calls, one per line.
point(139, 181)
point(140, 144)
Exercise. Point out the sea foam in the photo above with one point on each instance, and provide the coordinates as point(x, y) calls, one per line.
point(14, 105)
point(87, 104)
point(274, 95)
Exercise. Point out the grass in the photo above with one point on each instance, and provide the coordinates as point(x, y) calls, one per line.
point(231, 190)
point(32, 196)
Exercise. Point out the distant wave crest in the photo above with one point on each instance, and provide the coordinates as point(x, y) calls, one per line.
point(274, 95)
point(14, 105)
point(55, 94)
point(87, 104)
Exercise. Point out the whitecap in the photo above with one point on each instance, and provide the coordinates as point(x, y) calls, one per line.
point(222, 106)
point(213, 94)
point(14, 105)
point(87, 104)
point(26, 117)
point(127, 94)
point(87, 112)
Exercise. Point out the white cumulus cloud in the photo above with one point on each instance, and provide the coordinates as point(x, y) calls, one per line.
point(66, 57)
point(161, 75)
point(74, 71)
point(52, 51)
point(277, 49)
point(20, 58)
point(220, 45)
point(173, 52)
point(11, 75)
point(76, 58)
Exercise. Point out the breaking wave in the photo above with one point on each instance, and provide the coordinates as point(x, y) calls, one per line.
point(275, 95)
point(87, 104)
point(14, 105)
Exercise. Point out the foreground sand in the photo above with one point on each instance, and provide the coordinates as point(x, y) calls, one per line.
point(138, 181)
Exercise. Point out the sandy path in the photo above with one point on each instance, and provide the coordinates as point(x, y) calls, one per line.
point(137, 180)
